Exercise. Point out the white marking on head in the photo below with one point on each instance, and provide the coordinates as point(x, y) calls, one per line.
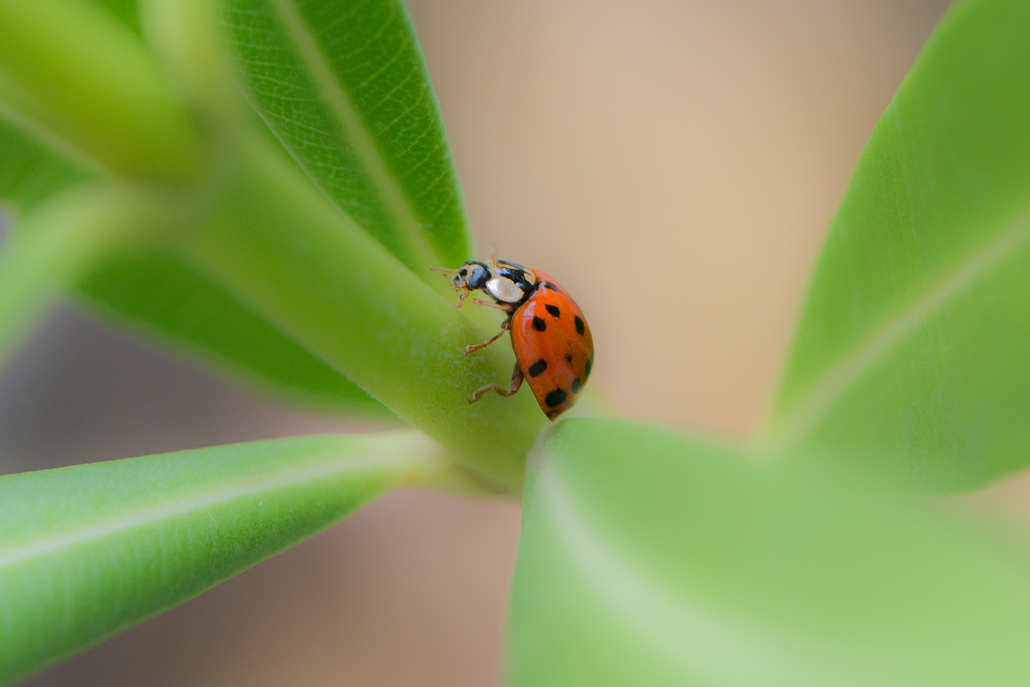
point(504, 290)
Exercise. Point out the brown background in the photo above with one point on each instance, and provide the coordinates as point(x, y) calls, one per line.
point(674, 164)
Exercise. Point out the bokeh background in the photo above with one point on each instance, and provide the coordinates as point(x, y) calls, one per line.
point(673, 163)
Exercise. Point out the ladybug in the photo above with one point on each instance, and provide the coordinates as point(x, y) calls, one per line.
point(553, 346)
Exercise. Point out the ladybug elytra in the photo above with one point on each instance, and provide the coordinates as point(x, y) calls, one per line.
point(554, 350)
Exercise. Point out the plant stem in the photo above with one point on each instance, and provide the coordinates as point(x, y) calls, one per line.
point(282, 248)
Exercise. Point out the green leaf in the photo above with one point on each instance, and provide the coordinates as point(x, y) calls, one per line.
point(75, 70)
point(61, 240)
point(647, 558)
point(29, 171)
point(86, 551)
point(911, 355)
point(125, 11)
point(163, 296)
point(345, 88)
point(156, 291)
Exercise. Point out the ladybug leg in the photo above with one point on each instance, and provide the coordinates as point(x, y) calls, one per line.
point(475, 347)
point(516, 383)
point(506, 307)
point(461, 298)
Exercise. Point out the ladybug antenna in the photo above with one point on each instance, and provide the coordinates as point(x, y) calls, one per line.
point(447, 272)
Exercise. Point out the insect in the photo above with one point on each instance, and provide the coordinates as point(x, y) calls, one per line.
point(554, 350)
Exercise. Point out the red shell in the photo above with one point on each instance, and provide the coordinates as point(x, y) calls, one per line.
point(553, 346)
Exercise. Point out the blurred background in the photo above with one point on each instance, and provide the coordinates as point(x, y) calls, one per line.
point(674, 164)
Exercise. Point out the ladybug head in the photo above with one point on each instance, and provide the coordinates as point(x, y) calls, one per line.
point(471, 276)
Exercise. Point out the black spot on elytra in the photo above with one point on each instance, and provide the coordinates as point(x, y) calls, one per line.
point(590, 364)
point(576, 384)
point(553, 309)
point(537, 368)
point(555, 398)
point(568, 358)
point(580, 327)
point(539, 324)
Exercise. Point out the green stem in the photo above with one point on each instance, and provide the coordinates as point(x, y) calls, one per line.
point(282, 248)
point(83, 76)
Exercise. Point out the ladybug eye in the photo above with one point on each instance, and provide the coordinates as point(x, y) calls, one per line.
point(463, 272)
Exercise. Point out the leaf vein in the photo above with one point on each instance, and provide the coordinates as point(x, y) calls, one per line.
point(842, 376)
